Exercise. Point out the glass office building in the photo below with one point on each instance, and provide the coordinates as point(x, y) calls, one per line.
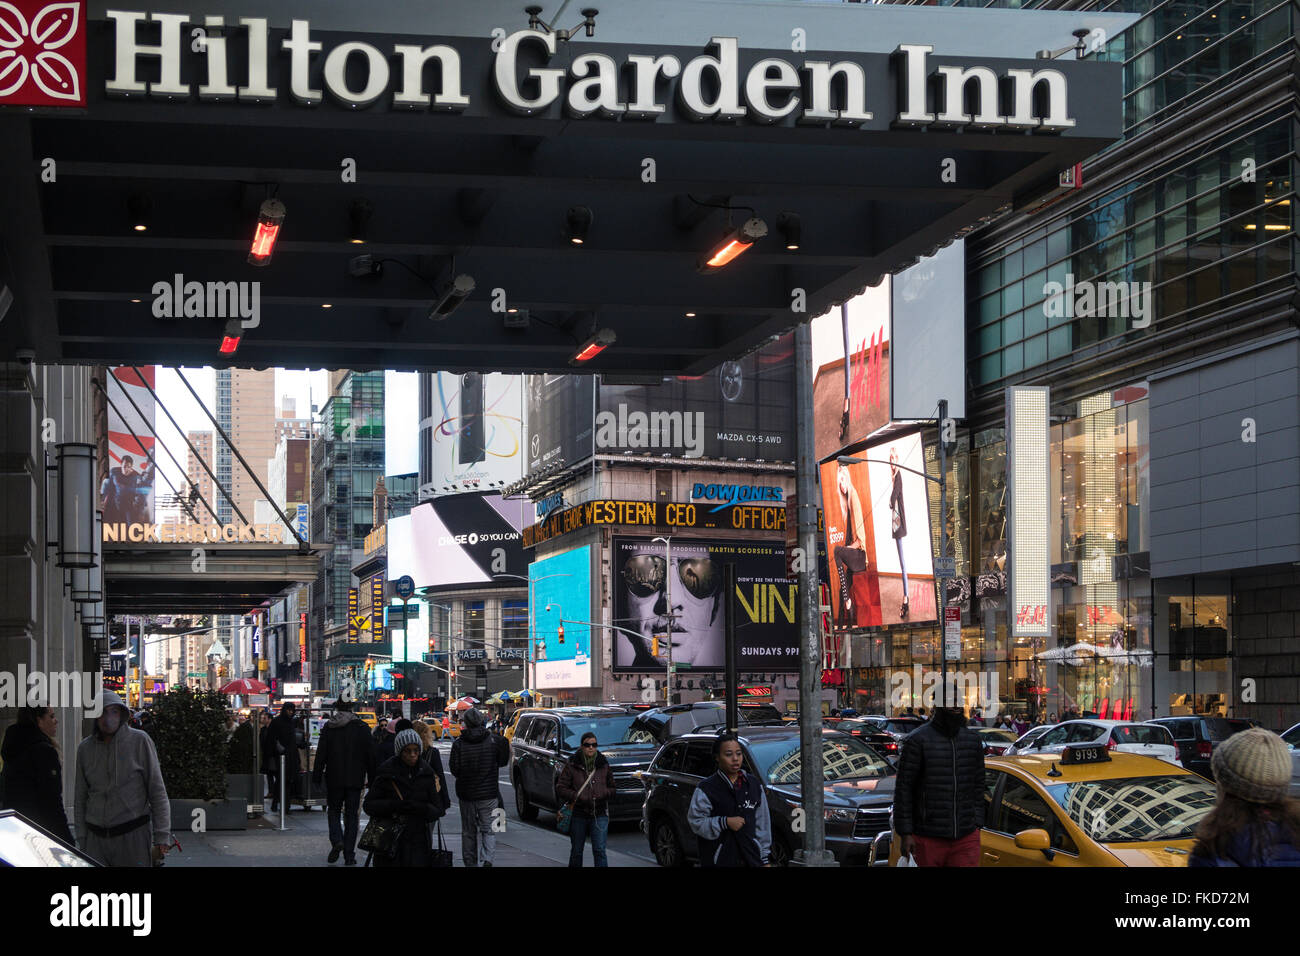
point(1175, 449)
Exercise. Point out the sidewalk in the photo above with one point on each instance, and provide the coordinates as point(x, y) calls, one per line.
point(305, 842)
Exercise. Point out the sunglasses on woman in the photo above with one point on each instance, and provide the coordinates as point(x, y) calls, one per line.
point(645, 574)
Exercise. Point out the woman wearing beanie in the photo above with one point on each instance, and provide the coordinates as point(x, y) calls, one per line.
point(1254, 822)
point(406, 787)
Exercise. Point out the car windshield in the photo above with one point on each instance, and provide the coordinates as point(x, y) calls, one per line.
point(849, 725)
point(1292, 736)
point(1137, 809)
point(1139, 734)
point(761, 713)
point(608, 730)
point(994, 734)
point(902, 726)
point(843, 758)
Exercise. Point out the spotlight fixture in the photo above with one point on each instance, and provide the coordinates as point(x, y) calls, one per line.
point(593, 346)
point(577, 223)
point(791, 229)
point(233, 332)
point(358, 216)
point(140, 209)
point(449, 300)
point(269, 219)
point(732, 244)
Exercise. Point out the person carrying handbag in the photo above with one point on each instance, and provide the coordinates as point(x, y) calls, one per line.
point(585, 788)
point(404, 795)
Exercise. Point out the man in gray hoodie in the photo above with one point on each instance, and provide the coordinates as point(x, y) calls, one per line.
point(120, 808)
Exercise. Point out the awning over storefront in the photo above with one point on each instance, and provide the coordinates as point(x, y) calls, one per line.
point(449, 139)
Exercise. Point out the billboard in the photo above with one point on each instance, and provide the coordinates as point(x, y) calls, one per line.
point(1028, 489)
point(928, 336)
point(477, 428)
point(127, 476)
point(878, 536)
point(560, 588)
point(851, 396)
point(561, 412)
point(766, 605)
point(460, 540)
point(742, 409)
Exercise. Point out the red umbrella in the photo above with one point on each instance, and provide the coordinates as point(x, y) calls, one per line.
point(244, 685)
point(465, 703)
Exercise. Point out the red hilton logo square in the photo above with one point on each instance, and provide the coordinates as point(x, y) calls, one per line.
point(42, 53)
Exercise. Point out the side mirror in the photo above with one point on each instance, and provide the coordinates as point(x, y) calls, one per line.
point(1035, 840)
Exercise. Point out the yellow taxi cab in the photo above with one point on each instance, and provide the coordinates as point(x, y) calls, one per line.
point(369, 717)
point(1089, 806)
point(509, 733)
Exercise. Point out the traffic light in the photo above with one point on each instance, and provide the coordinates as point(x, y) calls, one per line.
point(654, 647)
point(561, 634)
point(452, 675)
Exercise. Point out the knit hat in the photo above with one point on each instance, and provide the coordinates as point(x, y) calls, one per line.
point(406, 738)
point(1253, 765)
point(472, 718)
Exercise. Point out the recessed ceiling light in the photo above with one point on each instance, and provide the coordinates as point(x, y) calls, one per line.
point(690, 315)
point(326, 305)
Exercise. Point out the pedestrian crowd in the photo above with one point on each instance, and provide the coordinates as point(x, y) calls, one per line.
point(122, 815)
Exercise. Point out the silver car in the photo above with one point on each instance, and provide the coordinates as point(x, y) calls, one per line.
point(1126, 736)
point(1292, 738)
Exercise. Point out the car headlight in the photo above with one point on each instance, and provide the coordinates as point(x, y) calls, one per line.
point(838, 815)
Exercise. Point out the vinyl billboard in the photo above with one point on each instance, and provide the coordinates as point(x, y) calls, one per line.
point(742, 409)
point(765, 604)
point(560, 589)
point(1028, 490)
point(560, 419)
point(878, 536)
point(460, 540)
point(477, 429)
point(126, 488)
point(852, 356)
point(928, 336)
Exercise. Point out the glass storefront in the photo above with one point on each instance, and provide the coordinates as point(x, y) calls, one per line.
point(1118, 649)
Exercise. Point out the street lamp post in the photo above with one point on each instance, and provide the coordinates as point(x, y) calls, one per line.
point(668, 597)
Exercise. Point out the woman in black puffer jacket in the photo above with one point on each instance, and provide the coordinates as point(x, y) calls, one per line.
point(406, 787)
point(33, 771)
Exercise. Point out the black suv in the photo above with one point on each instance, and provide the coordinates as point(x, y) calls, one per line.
point(666, 723)
point(859, 791)
point(545, 740)
point(1196, 737)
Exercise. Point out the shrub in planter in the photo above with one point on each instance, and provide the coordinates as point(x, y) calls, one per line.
point(189, 733)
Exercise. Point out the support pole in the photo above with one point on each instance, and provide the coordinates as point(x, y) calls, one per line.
point(811, 777)
point(943, 553)
point(733, 708)
point(283, 806)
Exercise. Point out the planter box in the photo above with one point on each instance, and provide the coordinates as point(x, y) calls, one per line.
point(248, 787)
point(221, 814)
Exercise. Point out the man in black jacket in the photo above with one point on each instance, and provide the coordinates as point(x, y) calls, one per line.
point(476, 756)
point(284, 743)
point(939, 796)
point(345, 757)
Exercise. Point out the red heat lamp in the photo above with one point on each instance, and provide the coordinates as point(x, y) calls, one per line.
point(732, 244)
point(593, 346)
point(269, 219)
point(230, 337)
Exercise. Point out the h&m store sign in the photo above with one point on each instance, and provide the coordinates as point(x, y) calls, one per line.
point(179, 55)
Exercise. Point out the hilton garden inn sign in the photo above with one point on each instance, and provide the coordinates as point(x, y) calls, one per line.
point(529, 73)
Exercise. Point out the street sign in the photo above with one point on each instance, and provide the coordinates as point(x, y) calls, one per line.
point(945, 568)
point(952, 633)
point(404, 586)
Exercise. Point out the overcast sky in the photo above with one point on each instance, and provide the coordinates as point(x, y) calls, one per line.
point(307, 387)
